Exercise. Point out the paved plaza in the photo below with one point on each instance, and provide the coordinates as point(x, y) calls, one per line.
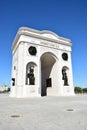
point(43, 113)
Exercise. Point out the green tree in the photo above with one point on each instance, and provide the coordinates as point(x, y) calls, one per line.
point(84, 90)
point(78, 90)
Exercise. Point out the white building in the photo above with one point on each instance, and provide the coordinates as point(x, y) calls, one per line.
point(41, 64)
point(4, 88)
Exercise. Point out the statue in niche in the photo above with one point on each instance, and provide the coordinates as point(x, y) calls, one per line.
point(31, 76)
point(65, 77)
point(13, 81)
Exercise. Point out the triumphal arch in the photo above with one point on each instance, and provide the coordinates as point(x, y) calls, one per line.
point(41, 64)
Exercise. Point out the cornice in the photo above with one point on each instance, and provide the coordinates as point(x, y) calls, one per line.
point(39, 35)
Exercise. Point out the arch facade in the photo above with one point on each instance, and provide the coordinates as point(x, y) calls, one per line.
point(41, 64)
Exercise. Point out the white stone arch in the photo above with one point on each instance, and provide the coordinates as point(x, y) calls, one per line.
point(67, 72)
point(33, 65)
point(49, 52)
point(48, 72)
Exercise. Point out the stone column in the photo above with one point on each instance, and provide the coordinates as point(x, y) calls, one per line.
point(39, 78)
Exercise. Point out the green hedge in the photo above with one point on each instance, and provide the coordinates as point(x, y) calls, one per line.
point(80, 90)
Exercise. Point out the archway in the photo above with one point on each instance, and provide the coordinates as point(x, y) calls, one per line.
point(31, 73)
point(48, 70)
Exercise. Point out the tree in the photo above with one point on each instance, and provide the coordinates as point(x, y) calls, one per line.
point(84, 90)
point(78, 90)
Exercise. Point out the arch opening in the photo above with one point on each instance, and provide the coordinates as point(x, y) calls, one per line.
point(48, 69)
point(31, 73)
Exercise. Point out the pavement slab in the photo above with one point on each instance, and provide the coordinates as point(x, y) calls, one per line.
point(43, 113)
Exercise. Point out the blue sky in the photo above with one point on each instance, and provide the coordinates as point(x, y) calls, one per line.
point(67, 18)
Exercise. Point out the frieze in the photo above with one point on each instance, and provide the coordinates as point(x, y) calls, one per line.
point(55, 46)
point(49, 44)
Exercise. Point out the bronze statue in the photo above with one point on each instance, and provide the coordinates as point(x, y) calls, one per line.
point(65, 77)
point(13, 81)
point(31, 76)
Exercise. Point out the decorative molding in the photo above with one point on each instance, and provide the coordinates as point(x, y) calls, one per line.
point(41, 35)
